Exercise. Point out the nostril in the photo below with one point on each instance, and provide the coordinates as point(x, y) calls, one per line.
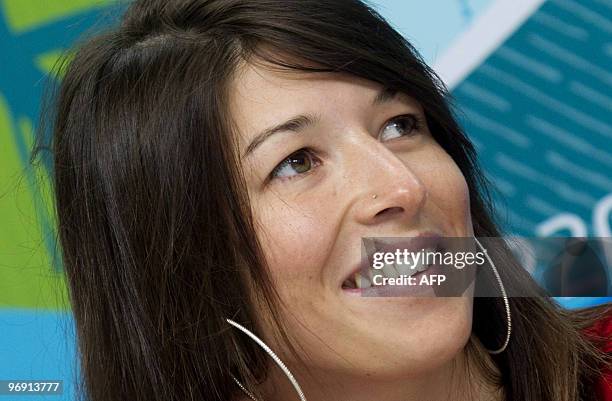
point(390, 211)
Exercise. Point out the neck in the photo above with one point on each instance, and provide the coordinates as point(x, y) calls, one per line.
point(458, 380)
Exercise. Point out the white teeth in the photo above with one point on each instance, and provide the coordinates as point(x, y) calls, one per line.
point(362, 281)
point(408, 270)
point(405, 269)
point(391, 271)
point(420, 267)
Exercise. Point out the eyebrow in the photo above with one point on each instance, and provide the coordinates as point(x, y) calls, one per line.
point(300, 122)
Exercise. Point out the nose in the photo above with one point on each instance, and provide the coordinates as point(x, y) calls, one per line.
point(385, 187)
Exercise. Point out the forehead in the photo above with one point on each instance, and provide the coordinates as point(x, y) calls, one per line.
point(261, 85)
point(261, 96)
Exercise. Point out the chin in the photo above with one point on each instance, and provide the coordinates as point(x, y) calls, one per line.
point(414, 342)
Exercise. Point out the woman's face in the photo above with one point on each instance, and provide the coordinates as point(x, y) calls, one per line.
point(312, 210)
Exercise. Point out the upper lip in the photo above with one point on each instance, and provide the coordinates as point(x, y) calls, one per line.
point(411, 243)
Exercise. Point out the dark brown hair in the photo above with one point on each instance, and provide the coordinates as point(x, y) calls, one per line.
point(154, 220)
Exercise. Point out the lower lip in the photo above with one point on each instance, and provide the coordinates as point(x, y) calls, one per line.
point(398, 290)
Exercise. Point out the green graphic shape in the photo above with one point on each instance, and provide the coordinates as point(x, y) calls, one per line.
point(27, 276)
point(53, 62)
point(23, 15)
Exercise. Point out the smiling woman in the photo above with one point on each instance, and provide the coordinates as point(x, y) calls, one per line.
point(217, 163)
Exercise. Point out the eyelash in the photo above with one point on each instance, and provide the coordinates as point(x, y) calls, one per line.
point(417, 124)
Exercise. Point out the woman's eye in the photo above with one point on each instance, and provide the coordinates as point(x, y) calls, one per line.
point(400, 126)
point(299, 162)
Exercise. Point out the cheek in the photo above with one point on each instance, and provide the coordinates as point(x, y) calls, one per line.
point(448, 192)
point(295, 240)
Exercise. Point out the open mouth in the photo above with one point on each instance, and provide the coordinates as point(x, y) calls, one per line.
point(363, 278)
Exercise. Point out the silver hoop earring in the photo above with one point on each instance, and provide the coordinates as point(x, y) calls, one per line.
point(506, 302)
point(276, 359)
